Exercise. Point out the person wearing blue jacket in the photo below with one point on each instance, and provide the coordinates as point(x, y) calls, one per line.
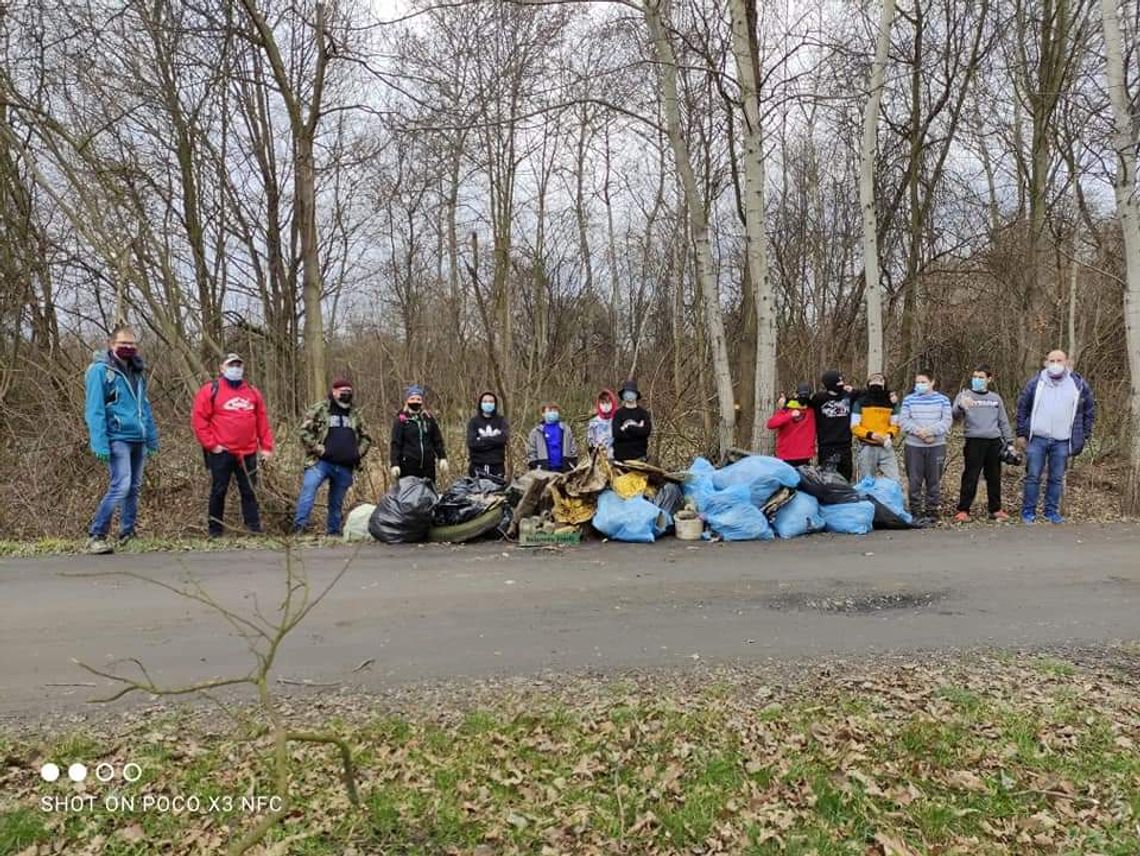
point(121, 432)
point(1055, 415)
point(926, 418)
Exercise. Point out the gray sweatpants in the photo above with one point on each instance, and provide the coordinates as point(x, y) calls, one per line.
point(877, 461)
point(924, 466)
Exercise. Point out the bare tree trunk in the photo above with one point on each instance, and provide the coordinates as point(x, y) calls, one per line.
point(698, 219)
point(1128, 209)
point(746, 51)
point(874, 288)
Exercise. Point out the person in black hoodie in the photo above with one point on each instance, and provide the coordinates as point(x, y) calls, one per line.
point(417, 442)
point(832, 408)
point(487, 436)
point(632, 425)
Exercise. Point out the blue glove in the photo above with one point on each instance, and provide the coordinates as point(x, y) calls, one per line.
point(105, 457)
point(151, 451)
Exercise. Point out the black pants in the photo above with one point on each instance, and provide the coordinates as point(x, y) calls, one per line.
point(838, 458)
point(222, 466)
point(798, 462)
point(495, 471)
point(982, 457)
point(425, 470)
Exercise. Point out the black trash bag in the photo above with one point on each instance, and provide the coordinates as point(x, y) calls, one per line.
point(828, 486)
point(669, 498)
point(403, 515)
point(885, 518)
point(465, 500)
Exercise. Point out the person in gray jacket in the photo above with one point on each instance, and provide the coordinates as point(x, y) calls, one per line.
point(550, 444)
point(988, 431)
point(926, 418)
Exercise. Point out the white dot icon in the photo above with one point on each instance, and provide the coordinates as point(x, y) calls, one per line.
point(49, 772)
point(77, 772)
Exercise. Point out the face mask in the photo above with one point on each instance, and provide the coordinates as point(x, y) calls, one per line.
point(233, 373)
point(551, 416)
point(875, 387)
point(629, 397)
point(415, 406)
point(126, 352)
point(606, 407)
point(1055, 369)
point(922, 388)
point(978, 384)
point(488, 407)
point(344, 398)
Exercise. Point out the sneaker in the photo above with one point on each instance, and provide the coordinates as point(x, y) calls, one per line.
point(1028, 519)
point(999, 516)
point(962, 517)
point(99, 546)
point(125, 538)
point(1055, 518)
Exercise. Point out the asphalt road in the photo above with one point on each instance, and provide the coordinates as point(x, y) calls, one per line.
point(428, 612)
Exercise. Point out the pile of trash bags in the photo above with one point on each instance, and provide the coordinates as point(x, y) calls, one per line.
point(759, 498)
point(756, 498)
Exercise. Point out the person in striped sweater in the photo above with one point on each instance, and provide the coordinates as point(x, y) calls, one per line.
point(926, 419)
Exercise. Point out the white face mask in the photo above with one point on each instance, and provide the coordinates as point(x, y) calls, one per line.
point(1055, 369)
point(233, 373)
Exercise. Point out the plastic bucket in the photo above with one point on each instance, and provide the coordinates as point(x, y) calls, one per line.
point(688, 525)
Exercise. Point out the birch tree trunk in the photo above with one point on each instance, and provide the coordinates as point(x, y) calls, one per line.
point(746, 51)
point(698, 222)
point(874, 289)
point(1128, 208)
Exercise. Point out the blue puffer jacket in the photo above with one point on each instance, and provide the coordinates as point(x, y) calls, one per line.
point(1084, 413)
point(116, 408)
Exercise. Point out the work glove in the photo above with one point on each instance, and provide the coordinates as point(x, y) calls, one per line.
point(105, 457)
point(151, 451)
point(444, 467)
point(395, 471)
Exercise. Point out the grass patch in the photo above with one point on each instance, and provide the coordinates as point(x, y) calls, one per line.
point(980, 756)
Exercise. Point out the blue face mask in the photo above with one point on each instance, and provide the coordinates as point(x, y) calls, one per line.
point(978, 384)
point(629, 397)
point(233, 373)
point(921, 388)
point(488, 407)
point(551, 416)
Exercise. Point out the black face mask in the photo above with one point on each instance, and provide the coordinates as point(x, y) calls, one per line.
point(875, 387)
point(415, 408)
point(344, 398)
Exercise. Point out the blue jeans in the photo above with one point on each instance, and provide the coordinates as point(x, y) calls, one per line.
point(126, 468)
point(1040, 450)
point(339, 479)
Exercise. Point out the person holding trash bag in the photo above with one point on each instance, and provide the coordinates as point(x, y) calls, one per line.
point(231, 423)
point(417, 442)
point(1055, 415)
point(600, 430)
point(121, 433)
point(487, 436)
point(335, 442)
point(926, 418)
point(550, 444)
point(987, 433)
point(794, 424)
point(875, 424)
point(632, 426)
point(832, 408)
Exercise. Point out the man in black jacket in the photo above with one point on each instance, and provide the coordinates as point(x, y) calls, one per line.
point(487, 436)
point(832, 408)
point(632, 426)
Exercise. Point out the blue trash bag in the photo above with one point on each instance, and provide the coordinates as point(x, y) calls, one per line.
point(763, 474)
point(699, 484)
point(731, 515)
point(799, 516)
point(849, 518)
point(887, 491)
point(635, 519)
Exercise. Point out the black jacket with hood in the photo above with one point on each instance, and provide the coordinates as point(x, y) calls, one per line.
point(487, 436)
point(832, 408)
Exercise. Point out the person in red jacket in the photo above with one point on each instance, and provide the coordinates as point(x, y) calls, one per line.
point(231, 424)
point(794, 424)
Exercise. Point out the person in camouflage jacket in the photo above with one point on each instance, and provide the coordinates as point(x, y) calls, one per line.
point(335, 442)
